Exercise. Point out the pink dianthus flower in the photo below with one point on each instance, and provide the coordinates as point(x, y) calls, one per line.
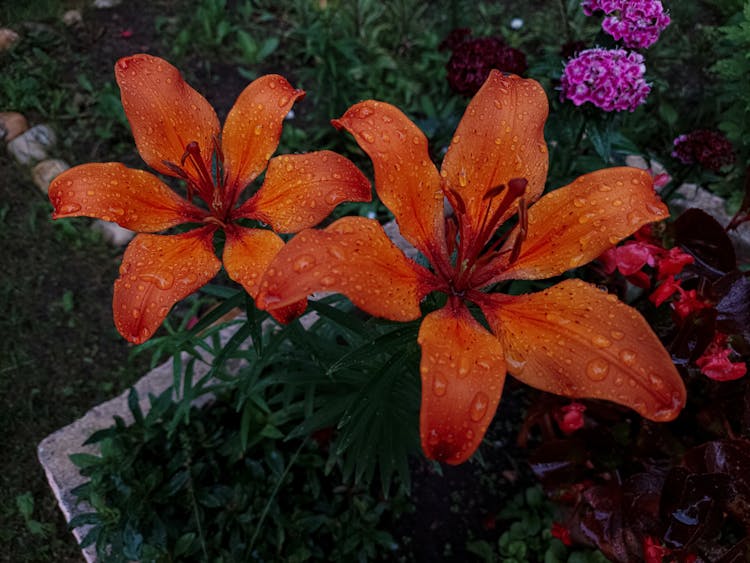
point(637, 23)
point(611, 79)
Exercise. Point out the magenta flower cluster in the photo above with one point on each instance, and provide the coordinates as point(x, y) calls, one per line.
point(611, 79)
point(710, 149)
point(637, 23)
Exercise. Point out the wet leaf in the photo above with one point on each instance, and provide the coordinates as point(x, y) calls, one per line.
point(694, 336)
point(559, 462)
point(705, 239)
point(692, 505)
point(733, 308)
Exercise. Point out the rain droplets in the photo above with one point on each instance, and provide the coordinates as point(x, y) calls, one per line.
point(597, 369)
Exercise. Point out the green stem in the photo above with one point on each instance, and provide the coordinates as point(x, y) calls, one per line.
point(273, 495)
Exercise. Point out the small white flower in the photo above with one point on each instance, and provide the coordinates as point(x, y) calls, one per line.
point(290, 115)
point(516, 23)
point(371, 215)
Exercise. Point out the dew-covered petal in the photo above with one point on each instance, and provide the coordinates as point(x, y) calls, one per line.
point(165, 113)
point(300, 190)
point(133, 199)
point(500, 137)
point(156, 272)
point(573, 225)
point(463, 372)
point(253, 128)
point(406, 180)
point(352, 256)
point(247, 254)
point(575, 340)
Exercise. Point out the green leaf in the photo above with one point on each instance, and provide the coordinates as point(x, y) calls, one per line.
point(84, 460)
point(85, 519)
point(135, 406)
point(183, 545)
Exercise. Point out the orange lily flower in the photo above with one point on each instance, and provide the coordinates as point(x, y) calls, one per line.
point(177, 133)
point(571, 339)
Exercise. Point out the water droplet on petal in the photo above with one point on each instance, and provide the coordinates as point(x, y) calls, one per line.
point(162, 280)
point(617, 334)
point(600, 341)
point(478, 407)
point(439, 386)
point(515, 363)
point(597, 369)
point(304, 262)
point(628, 357)
point(70, 208)
point(284, 100)
point(327, 281)
point(368, 137)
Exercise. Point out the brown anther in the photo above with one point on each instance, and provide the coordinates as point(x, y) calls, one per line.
point(517, 186)
point(523, 227)
point(492, 192)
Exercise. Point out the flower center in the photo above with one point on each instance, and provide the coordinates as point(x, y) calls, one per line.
point(208, 184)
point(476, 247)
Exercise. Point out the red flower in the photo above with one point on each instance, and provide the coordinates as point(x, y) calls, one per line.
point(561, 533)
point(715, 362)
point(177, 134)
point(570, 417)
point(653, 551)
point(570, 339)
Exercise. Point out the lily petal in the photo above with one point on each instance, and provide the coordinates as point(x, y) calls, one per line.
point(247, 254)
point(300, 190)
point(134, 199)
point(406, 180)
point(500, 137)
point(573, 225)
point(165, 113)
point(156, 272)
point(463, 372)
point(253, 128)
point(352, 256)
point(575, 340)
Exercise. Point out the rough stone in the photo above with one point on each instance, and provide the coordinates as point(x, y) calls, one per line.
point(106, 3)
point(72, 18)
point(31, 146)
point(113, 233)
point(8, 38)
point(691, 195)
point(12, 124)
point(46, 171)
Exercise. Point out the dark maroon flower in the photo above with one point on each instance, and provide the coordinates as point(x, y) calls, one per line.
point(711, 149)
point(474, 58)
point(455, 38)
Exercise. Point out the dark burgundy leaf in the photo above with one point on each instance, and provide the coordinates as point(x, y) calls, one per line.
point(732, 457)
point(692, 505)
point(733, 308)
point(641, 494)
point(601, 522)
point(740, 553)
point(694, 336)
point(704, 238)
point(559, 462)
